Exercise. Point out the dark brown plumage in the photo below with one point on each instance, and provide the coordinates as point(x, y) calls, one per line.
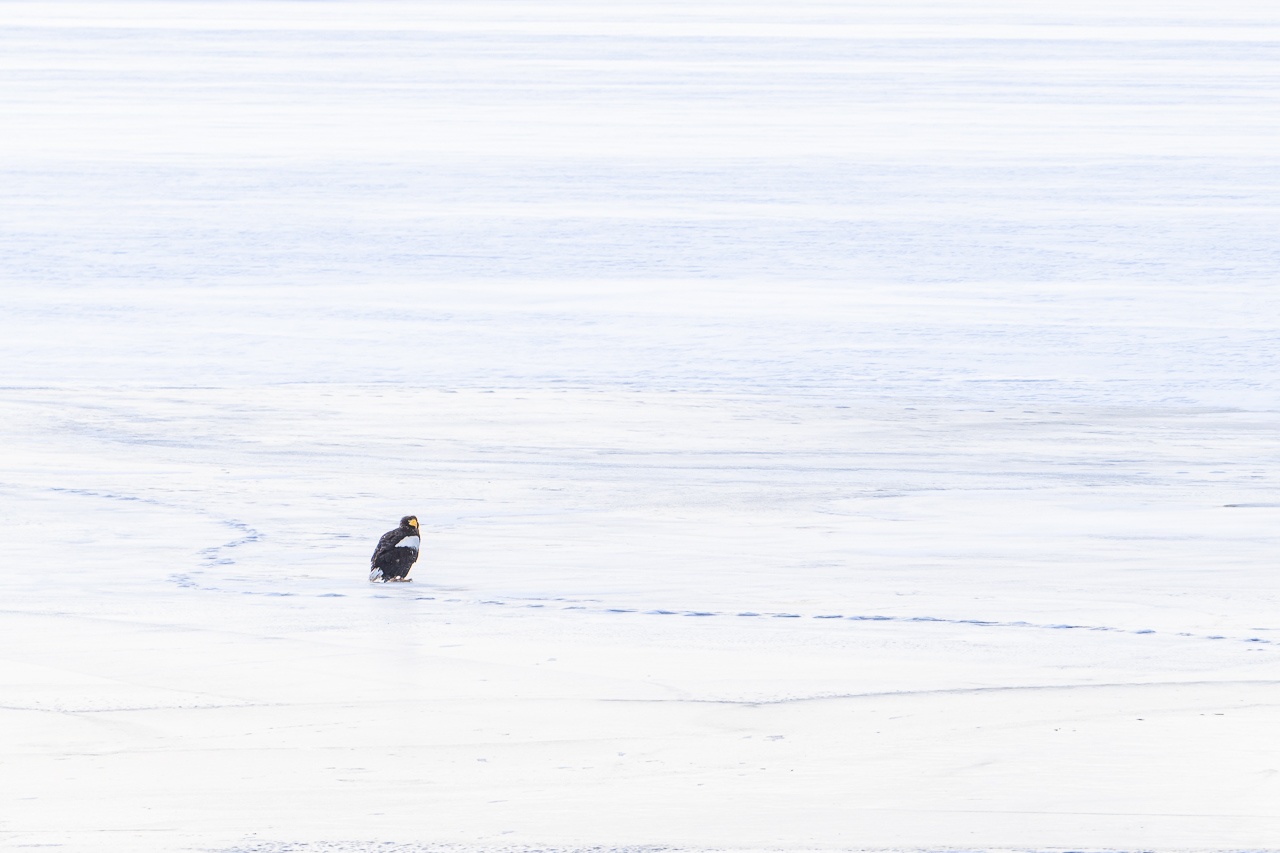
point(396, 553)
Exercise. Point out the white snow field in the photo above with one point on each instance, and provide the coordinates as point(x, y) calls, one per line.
point(835, 426)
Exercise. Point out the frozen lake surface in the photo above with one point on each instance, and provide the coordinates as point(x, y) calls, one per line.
point(834, 427)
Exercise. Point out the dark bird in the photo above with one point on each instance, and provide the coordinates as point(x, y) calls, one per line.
point(396, 553)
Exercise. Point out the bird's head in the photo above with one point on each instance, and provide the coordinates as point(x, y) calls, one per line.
point(410, 521)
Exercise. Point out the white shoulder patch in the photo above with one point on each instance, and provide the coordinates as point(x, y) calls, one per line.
point(409, 542)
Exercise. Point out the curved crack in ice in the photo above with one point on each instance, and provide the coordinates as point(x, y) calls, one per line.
point(829, 617)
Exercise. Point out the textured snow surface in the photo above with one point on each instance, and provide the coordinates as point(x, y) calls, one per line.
point(833, 426)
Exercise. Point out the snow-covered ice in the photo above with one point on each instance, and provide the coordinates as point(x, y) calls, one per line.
point(834, 426)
